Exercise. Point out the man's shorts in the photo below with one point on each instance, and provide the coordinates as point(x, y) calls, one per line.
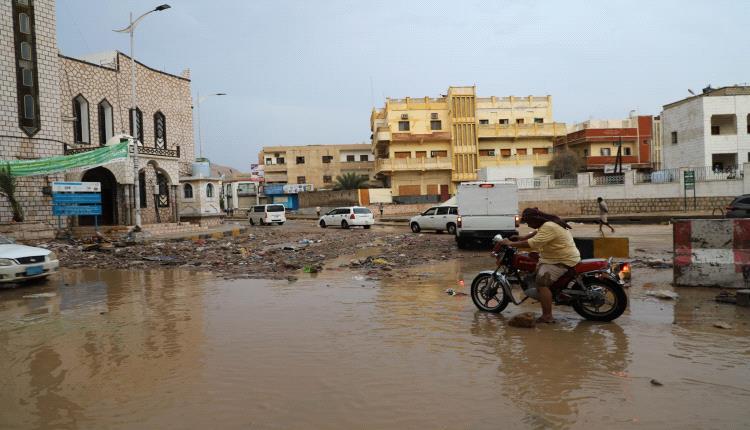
point(547, 274)
point(603, 219)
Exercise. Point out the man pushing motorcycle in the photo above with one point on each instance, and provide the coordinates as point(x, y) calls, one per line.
point(557, 252)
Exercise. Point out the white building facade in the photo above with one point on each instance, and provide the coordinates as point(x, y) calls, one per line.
point(710, 129)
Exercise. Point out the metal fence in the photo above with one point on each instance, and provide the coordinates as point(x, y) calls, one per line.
point(665, 176)
point(528, 183)
point(708, 173)
point(617, 179)
point(563, 183)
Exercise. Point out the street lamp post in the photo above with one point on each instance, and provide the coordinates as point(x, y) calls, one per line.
point(133, 117)
point(200, 100)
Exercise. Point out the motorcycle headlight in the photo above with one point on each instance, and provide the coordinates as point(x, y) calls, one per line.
point(6, 262)
point(51, 256)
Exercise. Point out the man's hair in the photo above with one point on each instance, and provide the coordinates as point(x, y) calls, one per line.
point(598, 199)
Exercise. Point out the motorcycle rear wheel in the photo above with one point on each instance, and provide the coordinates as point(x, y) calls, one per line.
point(487, 294)
point(615, 300)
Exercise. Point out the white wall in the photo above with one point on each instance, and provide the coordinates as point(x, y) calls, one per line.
point(356, 154)
point(501, 173)
point(736, 144)
point(631, 190)
point(687, 120)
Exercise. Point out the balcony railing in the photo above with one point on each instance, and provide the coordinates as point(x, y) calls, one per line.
point(142, 150)
point(275, 168)
point(538, 160)
point(665, 176)
point(521, 130)
point(416, 164)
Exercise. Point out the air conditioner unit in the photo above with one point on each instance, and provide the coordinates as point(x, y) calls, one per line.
point(404, 116)
point(434, 115)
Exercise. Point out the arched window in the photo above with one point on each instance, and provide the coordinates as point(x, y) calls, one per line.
point(160, 130)
point(26, 51)
point(24, 23)
point(136, 130)
point(28, 107)
point(209, 190)
point(106, 126)
point(81, 124)
point(163, 184)
point(142, 189)
point(188, 191)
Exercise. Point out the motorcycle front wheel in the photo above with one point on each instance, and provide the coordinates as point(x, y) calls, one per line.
point(487, 294)
point(610, 304)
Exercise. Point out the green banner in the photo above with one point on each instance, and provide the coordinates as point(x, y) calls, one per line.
point(45, 166)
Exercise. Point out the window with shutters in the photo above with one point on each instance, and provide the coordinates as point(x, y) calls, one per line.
point(106, 125)
point(27, 81)
point(188, 191)
point(81, 122)
point(136, 124)
point(163, 186)
point(160, 130)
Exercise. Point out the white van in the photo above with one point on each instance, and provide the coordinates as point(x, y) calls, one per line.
point(486, 209)
point(267, 214)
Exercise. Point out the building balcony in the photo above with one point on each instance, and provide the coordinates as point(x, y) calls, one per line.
point(515, 131)
point(536, 160)
point(275, 168)
point(463, 177)
point(275, 177)
point(149, 151)
point(598, 162)
point(357, 165)
point(412, 164)
point(382, 134)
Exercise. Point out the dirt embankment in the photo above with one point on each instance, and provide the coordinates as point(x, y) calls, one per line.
point(268, 252)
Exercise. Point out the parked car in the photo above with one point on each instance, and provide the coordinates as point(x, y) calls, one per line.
point(739, 208)
point(438, 218)
point(267, 214)
point(347, 217)
point(22, 263)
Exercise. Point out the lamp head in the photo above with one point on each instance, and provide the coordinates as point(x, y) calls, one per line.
point(162, 7)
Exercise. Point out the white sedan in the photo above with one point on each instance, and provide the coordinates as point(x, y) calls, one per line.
point(347, 217)
point(21, 262)
point(438, 218)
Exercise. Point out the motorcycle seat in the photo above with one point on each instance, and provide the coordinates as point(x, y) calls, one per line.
point(591, 264)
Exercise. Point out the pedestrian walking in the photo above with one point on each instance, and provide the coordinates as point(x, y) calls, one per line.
point(317, 210)
point(380, 206)
point(603, 211)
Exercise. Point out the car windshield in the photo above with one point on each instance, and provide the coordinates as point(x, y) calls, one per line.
point(362, 211)
point(275, 208)
point(5, 241)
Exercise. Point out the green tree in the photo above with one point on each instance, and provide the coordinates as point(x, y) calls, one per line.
point(565, 164)
point(350, 181)
point(8, 187)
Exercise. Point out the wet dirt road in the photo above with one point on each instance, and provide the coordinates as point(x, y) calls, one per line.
point(175, 349)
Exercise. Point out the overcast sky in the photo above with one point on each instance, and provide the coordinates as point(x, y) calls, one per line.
point(309, 71)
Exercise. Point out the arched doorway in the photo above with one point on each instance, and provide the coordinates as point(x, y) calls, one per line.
point(109, 196)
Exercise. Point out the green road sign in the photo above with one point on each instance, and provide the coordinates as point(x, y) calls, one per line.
point(689, 180)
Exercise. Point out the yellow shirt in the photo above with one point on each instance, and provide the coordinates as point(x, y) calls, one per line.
point(555, 245)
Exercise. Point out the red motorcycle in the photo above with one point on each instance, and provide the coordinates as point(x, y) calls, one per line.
point(593, 287)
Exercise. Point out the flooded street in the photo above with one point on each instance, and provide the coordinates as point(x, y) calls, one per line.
point(176, 349)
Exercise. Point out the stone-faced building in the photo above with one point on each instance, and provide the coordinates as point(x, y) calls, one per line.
point(30, 122)
point(51, 105)
point(95, 96)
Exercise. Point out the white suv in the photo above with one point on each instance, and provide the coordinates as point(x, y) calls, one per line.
point(438, 218)
point(347, 217)
point(267, 214)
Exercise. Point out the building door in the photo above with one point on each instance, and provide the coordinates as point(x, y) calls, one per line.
point(109, 196)
point(444, 194)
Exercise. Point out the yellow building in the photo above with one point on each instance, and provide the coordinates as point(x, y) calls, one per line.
point(426, 146)
point(315, 164)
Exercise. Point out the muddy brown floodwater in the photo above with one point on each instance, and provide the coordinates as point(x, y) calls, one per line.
point(169, 349)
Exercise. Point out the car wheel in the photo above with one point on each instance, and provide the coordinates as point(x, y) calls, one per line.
point(281, 223)
point(461, 243)
point(415, 227)
point(323, 224)
point(344, 224)
point(252, 222)
point(451, 228)
point(262, 222)
point(367, 227)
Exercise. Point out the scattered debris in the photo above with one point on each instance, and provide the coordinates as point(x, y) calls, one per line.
point(726, 297)
point(524, 320)
point(656, 383)
point(722, 325)
point(452, 292)
point(663, 294)
point(39, 296)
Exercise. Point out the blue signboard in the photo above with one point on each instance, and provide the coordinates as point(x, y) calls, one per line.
point(273, 189)
point(71, 210)
point(75, 199)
